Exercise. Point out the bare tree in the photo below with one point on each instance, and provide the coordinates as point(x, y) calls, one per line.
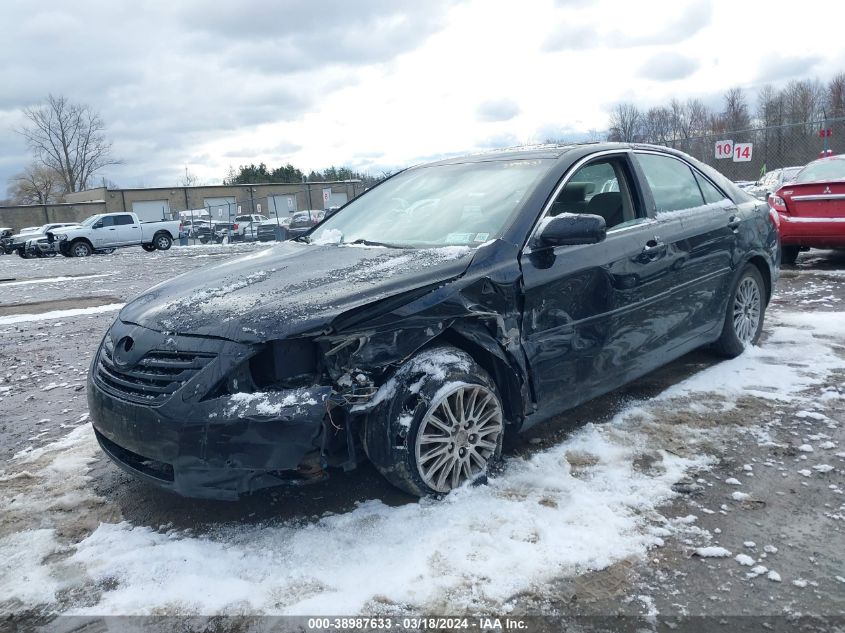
point(190, 179)
point(835, 106)
point(625, 123)
point(770, 111)
point(657, 126)
point(36, 184)
point(69, 139)
point(735, 115)
point(804, 101)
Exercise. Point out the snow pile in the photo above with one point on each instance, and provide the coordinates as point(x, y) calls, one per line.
point(792, 360)
point(478, 546)
point(58, 314)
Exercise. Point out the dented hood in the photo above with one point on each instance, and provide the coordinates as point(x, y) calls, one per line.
point(289, 289)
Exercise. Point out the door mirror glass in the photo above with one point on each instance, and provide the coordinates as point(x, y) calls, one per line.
point(569, 229)
point(98, 225)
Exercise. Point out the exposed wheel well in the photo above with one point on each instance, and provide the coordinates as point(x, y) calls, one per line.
point(76, 240)
point(763, 267)
point(501, 373)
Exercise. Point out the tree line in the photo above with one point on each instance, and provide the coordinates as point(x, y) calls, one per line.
point(678, 122)
point(288, 174)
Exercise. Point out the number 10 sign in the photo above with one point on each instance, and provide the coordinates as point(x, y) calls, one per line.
point(738, 152)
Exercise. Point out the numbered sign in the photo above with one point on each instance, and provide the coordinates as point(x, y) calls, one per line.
point(258, 208)
point(742, 152)
point(724, 149)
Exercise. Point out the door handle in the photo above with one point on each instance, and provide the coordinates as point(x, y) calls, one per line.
point(734, 222)
point(112, 229)
point(653, 249)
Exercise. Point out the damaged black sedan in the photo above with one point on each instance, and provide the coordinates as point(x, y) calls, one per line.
point(453, 304)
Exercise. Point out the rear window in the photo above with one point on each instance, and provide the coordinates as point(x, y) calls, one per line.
point(821, 170)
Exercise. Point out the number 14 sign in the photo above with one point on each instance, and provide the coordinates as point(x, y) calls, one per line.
point(738, 152)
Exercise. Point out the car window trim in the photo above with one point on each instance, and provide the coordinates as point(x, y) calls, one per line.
point(624, 153)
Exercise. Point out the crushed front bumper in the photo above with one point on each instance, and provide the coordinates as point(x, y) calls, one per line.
point(214, 448)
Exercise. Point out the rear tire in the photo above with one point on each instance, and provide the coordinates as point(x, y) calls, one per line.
point(23, 254)
point(744, 315)
point(789, 255)
point(148, 247)
point(162, 242)
point(440, 428)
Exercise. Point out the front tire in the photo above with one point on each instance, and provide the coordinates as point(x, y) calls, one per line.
point(744, 315)
point(442, 427)
point(80, 248)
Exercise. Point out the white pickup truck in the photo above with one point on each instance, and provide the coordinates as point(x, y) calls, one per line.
point(107, 231)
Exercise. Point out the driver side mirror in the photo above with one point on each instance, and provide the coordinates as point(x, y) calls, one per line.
point(569, 229)
point(98, 225)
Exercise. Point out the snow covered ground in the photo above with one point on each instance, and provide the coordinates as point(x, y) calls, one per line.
point(665, 483)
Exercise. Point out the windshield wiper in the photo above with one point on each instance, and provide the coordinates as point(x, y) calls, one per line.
point(373, 243)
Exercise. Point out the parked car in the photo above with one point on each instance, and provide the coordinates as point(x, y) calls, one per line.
point(17, 243)
point(772, 181)
point(811, 208)
point(418, 339)
point(114, 230)
point(303, 221)
point(246, 226)
point(193, 227)
point(6, 233)
point(273, 229)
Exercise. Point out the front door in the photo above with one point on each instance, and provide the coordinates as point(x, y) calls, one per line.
point(593, 311)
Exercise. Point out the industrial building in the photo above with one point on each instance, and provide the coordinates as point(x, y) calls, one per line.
point(155, 203)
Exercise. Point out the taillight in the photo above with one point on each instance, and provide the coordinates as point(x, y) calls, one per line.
point(777, 203)
point(234, 227)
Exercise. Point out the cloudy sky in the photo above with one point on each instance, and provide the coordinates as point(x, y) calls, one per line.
point(376, 84)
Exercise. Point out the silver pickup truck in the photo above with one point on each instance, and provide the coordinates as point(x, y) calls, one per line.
point(107, 231)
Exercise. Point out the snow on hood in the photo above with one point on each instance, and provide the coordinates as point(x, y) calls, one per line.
point(288, 289)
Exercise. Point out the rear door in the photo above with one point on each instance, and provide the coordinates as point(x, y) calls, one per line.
point(699, 225)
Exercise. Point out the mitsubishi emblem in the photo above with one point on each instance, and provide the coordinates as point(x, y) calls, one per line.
point(826, 190)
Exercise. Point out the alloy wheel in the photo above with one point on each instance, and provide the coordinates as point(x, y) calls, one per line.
point(458, 436)
point(747, 310)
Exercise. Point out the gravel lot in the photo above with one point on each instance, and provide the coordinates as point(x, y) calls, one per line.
point(705, 488)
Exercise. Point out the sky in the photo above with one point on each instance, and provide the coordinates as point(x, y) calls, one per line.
point(380, 84)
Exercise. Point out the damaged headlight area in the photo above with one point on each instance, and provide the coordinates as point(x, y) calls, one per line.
point(276, 366)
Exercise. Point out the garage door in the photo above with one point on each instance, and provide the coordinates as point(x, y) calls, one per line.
point(221, 207)
point(150, 210)
point(285, 205)
point(338, 199)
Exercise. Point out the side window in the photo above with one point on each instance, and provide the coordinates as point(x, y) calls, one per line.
point(107, 221)
point(708, 189)
point(123, 219)
point(672, 182)
point(598, 188)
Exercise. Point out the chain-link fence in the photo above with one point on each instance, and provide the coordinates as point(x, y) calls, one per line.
point(746, 155)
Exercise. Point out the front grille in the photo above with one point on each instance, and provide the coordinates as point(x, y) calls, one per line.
point(153, 379)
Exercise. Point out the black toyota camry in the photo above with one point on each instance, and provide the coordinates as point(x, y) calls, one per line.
point(452, 304)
